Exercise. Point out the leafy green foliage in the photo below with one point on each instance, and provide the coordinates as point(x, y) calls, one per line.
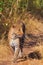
point(16, 7)
point(22, 4)
point(38, 4)
point(1, 5)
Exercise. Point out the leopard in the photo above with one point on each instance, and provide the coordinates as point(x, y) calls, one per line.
point(16, 36)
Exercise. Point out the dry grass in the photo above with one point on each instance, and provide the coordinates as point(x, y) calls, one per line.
point(33, 26)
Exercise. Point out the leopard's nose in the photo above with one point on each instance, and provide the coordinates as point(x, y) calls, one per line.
point(21, 33)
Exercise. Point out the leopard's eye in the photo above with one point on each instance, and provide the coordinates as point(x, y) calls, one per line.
point(19, 29)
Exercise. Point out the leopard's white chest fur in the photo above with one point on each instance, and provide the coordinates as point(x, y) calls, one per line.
point(14, 42)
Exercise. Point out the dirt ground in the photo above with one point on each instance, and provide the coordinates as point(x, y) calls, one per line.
point(6, 55)
point(27, 62)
